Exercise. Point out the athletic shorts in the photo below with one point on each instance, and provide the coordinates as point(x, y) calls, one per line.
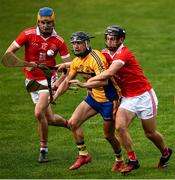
point(106, 109)
point(144, 106)
point(35, 94)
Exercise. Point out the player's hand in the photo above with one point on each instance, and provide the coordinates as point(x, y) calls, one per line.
point(51, 101)
point(75, 81)
point(33, 66)
point(61, 67)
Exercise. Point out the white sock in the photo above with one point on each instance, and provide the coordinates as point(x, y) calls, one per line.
point(45, 149)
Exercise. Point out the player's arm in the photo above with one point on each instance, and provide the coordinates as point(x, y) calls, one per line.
point(64, 53)
point(67, 59)
point(89, 84)
point(63, 87)
point(62, 66)
point(17, 43)
point(110, 72)
point(12, 48)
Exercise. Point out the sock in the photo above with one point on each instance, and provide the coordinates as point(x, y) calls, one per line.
point(43, 148)
point(82, 149)
point(132, 156)
point(119, 156)
point(67, 124)
point(165, 152)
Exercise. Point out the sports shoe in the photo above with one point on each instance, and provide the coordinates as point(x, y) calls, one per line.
point(132, 165)
point(164, 159)
point(43, 156)
point(81, 160)
point(118, 165)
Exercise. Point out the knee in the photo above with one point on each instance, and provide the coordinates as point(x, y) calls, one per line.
point(39, 115)
point(72, 125)
point(120, 129)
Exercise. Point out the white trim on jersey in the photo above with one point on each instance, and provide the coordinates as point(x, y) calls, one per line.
point(116, 52)
point(120, 48)
point(39, 34)
point(30, 31)
point(118, 60)
point(66, 56)
point(54, 33)
point(37, 31)
point(16, 44)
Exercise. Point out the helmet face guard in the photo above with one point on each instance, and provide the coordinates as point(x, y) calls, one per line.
point(45, 20)
point(118, 33)
point(82, 37)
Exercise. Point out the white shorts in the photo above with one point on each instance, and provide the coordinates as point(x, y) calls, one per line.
point(35, 94)
point(144, 106)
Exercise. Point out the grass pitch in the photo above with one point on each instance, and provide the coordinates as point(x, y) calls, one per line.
point(150, 34)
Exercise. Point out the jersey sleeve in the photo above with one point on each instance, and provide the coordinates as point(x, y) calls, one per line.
point(100, 63)
point(122, 56)
point(73, 69)
point(21, 39)
point(63, 51)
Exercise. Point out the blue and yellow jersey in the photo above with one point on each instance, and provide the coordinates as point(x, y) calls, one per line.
point(93, 64)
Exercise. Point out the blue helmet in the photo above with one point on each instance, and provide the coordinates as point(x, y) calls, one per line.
point(46, 12)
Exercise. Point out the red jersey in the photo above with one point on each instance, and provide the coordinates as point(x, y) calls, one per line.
point(130, 77)
point(36, 50)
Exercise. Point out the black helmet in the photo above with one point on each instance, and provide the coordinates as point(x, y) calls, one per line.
point(80, 36)
point(115, 30)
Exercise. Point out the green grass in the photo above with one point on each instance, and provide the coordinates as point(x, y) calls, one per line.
point(150, 34)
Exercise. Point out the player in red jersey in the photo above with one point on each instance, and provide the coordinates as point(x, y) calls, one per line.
point(139, 98)
point(42, 44)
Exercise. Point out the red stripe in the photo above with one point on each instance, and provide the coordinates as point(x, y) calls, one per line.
point(153, 103)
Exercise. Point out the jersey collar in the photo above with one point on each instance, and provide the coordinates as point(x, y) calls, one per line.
point(116, 52)
point(39, 34)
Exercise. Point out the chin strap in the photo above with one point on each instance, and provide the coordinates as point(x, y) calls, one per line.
point(84, 54)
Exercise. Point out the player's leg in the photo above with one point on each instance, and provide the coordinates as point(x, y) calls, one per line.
point(80, 115)
point(55, 119)
point(149, 126)
point(109, 133)
point(123, 119)
point(148, 116)
point(40, 109)
point(108, 113)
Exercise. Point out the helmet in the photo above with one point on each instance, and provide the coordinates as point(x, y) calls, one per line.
point(80, 36)
point(115, 30)
point(46, 12)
